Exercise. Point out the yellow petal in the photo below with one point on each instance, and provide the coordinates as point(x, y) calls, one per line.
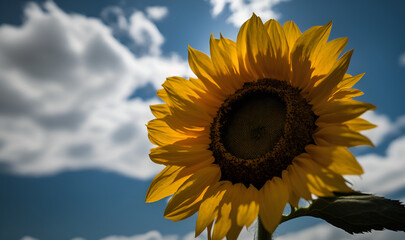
point(295, 177)
point(292, 33)
point(349, 81)
point(160, 110)
point(161, 134)
point(201, 65)
point(324, 89)
point(273, 199)
point(229, 46)
point(279, 67)
point(237, 190)
point(278, 42)
point(165, 183)
point(188, 210)
point(248, 208)
point(223, 223)
point(185, 103)
point(181, 88)
point(180, 123)
point(186, 201)
point(340, 136)
point(210, 94)
point(209, 207)
point(305, 52)
point(311, 180)
point(359, 124)
point(340, 110)
point(169, 180)
point(253, 48)
point(163, 95)
point(337, 159)
point(221, 60)
point(346, 93)
point(328, 55)
point(294, 197)
point(181, 155)
point(224, 58)
point(203, 139)
point(321, 181)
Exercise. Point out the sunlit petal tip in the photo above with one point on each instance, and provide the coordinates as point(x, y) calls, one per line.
point(291, 25)
point(349, 81)
point(166, 183)
point(327, 27)
point(371, 126)
point(345, 59)
point(292, 33)
point(359, 124)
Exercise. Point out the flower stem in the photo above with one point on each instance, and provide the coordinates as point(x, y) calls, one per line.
point(262, 233)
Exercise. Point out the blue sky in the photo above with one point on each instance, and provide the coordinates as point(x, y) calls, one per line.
point(76, 80)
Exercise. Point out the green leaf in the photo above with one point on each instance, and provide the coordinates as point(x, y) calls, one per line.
point(356, 212)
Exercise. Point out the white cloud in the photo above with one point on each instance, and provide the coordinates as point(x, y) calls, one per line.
point(28, 238)
point(157, 13)
point(144, 32)
point(328, 232)
point(241, 10)
point(138, 27)
point(152, 235)
point(317, 232)
point(245, 234)
point(115, 17)
point(248, 233)
point(382, 174)
point(64, 83)
point(402, 59)
point(156, 235)
point(385, 126)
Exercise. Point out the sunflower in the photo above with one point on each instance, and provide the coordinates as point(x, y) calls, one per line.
point(267, 122)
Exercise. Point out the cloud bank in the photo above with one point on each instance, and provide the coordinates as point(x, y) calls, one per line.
point(139, 28)
point(64, 84)
point(385, 126)
point(402, 60)
point(241, 10)
point(156, 235)
point(157, 13)
point(328, 232)
point(382, 174)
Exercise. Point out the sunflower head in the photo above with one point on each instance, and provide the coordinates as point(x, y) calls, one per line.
point(267, 122)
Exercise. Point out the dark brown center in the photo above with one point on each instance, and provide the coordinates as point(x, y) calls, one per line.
point(259, 130)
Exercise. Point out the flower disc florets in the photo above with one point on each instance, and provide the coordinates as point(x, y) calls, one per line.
point(259, 130)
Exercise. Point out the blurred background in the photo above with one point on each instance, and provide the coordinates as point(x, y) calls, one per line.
point(76, 82)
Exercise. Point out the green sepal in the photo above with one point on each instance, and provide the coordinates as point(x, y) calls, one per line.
point(356, 212)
